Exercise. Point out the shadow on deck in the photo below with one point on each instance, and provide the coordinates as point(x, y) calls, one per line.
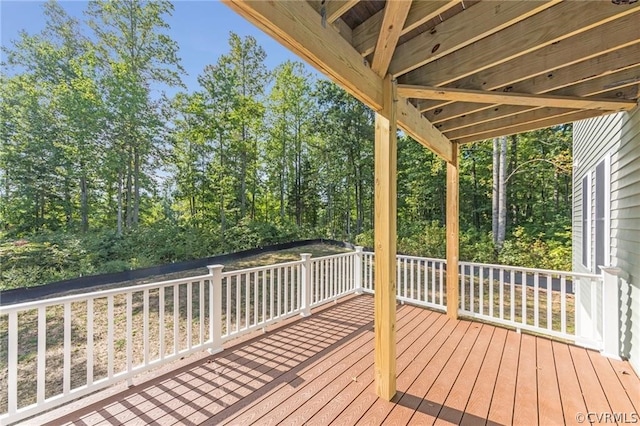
point(319, 370)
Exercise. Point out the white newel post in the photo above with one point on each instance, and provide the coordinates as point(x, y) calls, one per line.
point(357, 270)
point(306, 284)
point(610, 312)
point(215, 308)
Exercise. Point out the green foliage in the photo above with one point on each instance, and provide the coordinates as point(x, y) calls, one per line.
point(51, 257)
point(536, 251)
point(99, 173)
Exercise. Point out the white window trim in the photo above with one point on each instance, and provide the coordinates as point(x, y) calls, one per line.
point(592, 267)
point(586, 233)
point(607, 209)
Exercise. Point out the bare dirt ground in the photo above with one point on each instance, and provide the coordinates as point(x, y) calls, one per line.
point(54, 360)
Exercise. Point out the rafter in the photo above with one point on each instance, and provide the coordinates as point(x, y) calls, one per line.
point(529, 126)
point(297, 26)
point(365, 35)
point(543, 29)
point(614, 45)
point(395, 13)
point(526, 117)
point(590, 69)
point(599, 87)
point(461, 30)
point(509, 98)
point(608, 38)
point(336, 8)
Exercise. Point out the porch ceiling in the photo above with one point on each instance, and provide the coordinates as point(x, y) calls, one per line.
point(468, 70)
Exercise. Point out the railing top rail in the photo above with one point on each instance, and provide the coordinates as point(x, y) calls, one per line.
point(333, 256)
point(260, 268)
point(510, 267)
point(429, 259)
point(524, 269)
point(98, 294)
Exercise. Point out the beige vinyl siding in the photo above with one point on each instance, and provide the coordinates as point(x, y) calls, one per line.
point(617, 135)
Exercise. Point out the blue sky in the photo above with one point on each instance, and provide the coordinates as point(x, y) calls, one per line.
point(201, 29)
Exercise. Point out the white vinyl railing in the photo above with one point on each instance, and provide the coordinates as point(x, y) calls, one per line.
point(57, 350)
point(78, 344)
point(334, 277)
point(419, 280)
point(60, 349)
point(565, 305)
point(538, 300)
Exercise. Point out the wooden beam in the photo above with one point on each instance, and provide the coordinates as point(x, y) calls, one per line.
point(453, 236)
point(601, 87)
point(395, 13)
point(463, 29)
point(297, 26)
point(598, 52)
point(574, 50)
point(385, 158)
point(527, 115)
point(550, 26)
point(510, 98)
point(336, 8)
point(509, 116)
point(365, 35)
point(420, 129)
point(529, 126)
point(570, 81)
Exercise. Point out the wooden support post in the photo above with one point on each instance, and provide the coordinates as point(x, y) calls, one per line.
point(385, 244)
point(453, 228)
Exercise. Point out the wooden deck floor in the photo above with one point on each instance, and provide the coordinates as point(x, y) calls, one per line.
point(319, 370)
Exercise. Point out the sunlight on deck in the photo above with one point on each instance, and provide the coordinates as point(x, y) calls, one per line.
point(319, 370)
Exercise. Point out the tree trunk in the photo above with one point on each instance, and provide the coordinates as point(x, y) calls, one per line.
point(243, 184)
point(84, 203)
point(120, 191)
point(515, 208)
point(129, 193)
point(283, 176)
point(359, 202)
point(298, 191)
point(495, 190)
point(223, 221)
point(476, 207)
point(68, 208)
point(136, 187)
point(502, 193)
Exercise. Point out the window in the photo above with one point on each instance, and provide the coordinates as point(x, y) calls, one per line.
point(586, 221)
point(601, 214)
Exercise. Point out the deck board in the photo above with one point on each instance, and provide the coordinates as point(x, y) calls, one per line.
point(360, 396)
point(408, 371)
point(456, 402)
point(318, 370)
point(525, 410)
point(431, 404)
point(413, 396)
point(621, 403)
point(309, 407)
point(569, 387)
point(592, 391)
point(479, 402)
point(277, 406)
point(502, 402)
point(549, 405)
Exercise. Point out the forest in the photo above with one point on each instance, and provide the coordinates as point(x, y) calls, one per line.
point(102, 170)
